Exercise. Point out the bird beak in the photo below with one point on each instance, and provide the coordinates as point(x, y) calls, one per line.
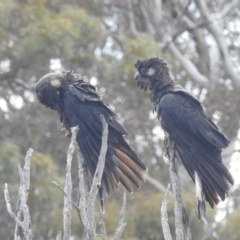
point(137, 76)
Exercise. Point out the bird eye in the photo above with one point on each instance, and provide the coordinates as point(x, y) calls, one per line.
point(143, 71)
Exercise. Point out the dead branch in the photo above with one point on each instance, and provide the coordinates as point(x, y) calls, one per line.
point(217, 33)
point(103, 232)
point(121, 223)
point(182, 228)
point(164, 216)
point(23, 229)
point(67, 209)
point(83, 197)
point(59, 236)
point(96, 183)
point(158, 185)
point(131, 19)
point(189, 67)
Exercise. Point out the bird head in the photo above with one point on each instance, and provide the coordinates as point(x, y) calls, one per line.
point(49, 89)
point(149, 71)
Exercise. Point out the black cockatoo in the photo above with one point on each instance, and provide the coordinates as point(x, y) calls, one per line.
point(199, 142)
point(78, 104)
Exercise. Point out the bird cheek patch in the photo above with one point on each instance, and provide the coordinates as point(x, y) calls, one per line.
point(151, 72)
point(56, 83)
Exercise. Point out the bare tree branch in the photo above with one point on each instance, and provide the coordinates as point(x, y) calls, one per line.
point(228, 8)
point(121, 223)
point(96, 183)
point(189, 67)
point(59, 236)
point(176, 190)
point(155, 183)
point(145, 14)
point(182, 228)
point(103, 233)
point(217, 33)
point(67, 209)
point(65, 194)
point(11, 213)
point(82, 198)
point(164, 216)
point(214, 61)
point(23, 229)
point(131, 19)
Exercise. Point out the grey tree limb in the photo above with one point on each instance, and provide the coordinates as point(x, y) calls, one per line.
point(96, 183)
point(23, 229)
point(228, 8)
point(65, 194)
point(82, 198)
point(182, 227)
point(131, 19)
point(164, 216)
point(155, 183)
point(121, 223)
point(83, 201)
point(217, 33)
point(176, 190)
point(103, 232)
point(59, 236)
point(146, 17)
point(189, 67)
point(67, 209)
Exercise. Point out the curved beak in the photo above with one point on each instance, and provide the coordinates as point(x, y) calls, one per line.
point(137, 76)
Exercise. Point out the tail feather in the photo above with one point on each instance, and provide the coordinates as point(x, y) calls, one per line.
point(200, 198)
point(128, 172)
point(124, 180)
point(122, 165)
point(127, 150)
point(210, 196)
point(210, 175)
point(110, 178)
point(126, 160)
point(204, 161)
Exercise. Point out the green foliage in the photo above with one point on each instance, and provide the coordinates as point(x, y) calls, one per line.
point(147, 218)
point(62, 33)
point(10, 156)
point(43, 193)
point(137, 48)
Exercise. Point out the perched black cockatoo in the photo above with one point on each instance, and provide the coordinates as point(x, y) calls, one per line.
point(78, 104)
point(198, 140)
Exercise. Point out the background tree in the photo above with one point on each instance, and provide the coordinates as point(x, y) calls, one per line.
point(103, 40)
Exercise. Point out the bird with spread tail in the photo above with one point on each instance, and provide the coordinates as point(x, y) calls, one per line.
point(199, 142)
point(78, 104)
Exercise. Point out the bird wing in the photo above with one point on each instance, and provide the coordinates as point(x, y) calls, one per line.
point(83, 107)
point(84, 91)
point(198, 142)
point(188, 114)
